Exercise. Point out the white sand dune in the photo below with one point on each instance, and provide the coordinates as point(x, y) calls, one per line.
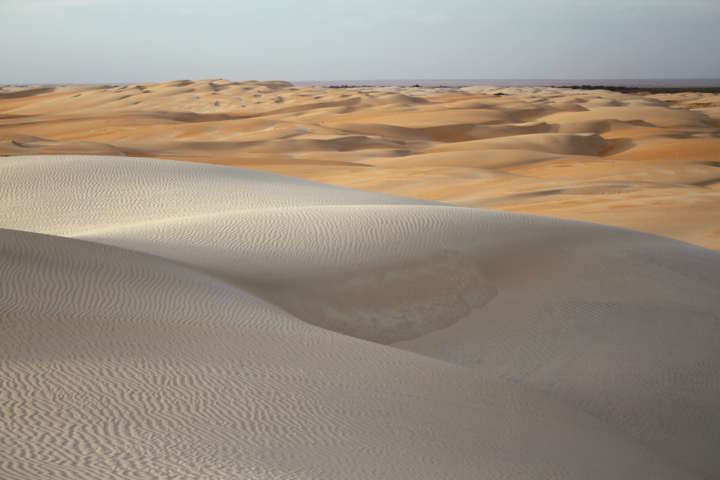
point(637, 160)
point(188, 344)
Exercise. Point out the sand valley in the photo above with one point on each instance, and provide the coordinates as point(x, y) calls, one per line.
point(190, 290)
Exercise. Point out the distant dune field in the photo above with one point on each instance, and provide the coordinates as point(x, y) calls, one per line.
point(648, 162)
point(164, 319)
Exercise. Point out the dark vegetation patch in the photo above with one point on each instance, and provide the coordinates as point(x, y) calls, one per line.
point(624, 89)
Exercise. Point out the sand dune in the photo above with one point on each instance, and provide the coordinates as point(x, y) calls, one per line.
point(642, 161)
point(118, 365)
point(659, 116)
point(558, 143)
point(211, 334)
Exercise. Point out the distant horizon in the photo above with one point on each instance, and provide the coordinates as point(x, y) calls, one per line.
point(648, 82)
point(629, 82)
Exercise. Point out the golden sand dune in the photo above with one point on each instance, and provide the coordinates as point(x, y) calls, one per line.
point(174, 319)
point(643, 161)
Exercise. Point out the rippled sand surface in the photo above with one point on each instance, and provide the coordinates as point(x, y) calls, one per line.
point(649, 162)
point(164, 319)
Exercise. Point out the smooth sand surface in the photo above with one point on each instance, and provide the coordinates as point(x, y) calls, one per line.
point(182, 320)
point(648, 162)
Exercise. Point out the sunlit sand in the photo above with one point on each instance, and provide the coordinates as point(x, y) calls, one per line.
point(173, 319)
point(647, 162)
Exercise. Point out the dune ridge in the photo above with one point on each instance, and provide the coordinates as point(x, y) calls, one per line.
point(200, 379)
point(166, 318)
point(635, 159)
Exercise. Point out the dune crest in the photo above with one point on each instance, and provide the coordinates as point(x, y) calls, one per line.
point(170, 318)
point(632, 159)
point(102, 380)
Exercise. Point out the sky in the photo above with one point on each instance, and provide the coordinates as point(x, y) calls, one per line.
point(112, 41)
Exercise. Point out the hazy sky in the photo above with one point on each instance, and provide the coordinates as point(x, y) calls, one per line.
point(43, 41)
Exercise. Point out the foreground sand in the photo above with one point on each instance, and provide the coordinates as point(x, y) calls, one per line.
point(179, 320)
point(640, 161)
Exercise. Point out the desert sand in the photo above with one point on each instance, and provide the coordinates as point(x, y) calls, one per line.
point(165, 319)
point(642, 161)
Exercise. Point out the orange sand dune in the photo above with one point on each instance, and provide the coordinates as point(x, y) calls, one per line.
point(648, 162)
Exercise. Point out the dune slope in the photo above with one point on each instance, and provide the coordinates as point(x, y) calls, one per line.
point(188, 344)
point(640, 160)
point(120, 365)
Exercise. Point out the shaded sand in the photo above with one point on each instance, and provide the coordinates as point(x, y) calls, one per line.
point(164, 321)
point(647, 162)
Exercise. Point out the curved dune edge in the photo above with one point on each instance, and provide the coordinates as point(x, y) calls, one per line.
point(639, 160)
point(120, 365)
point(603, 339)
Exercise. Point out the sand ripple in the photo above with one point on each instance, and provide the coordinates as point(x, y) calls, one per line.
point(176, 335)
